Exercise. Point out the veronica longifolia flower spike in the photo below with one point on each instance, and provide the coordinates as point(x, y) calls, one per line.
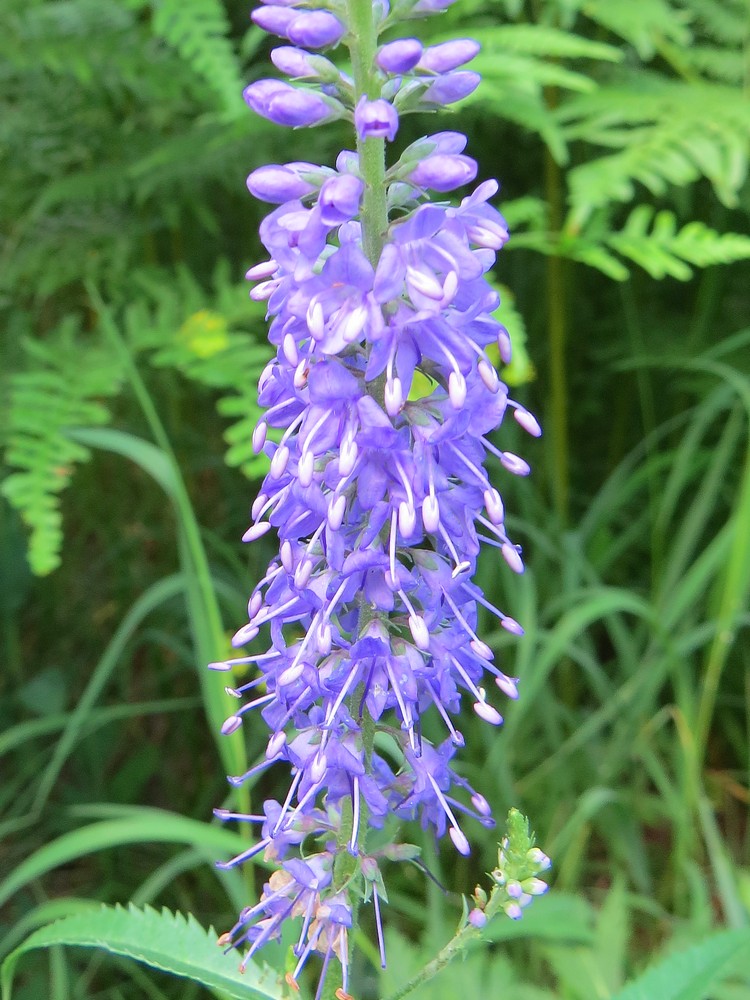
point(377, 488)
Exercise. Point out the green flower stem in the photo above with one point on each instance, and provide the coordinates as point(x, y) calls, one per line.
point(362, 43)
point(557, 333)
point(454, 948)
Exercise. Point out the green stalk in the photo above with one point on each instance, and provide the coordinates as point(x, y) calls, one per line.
point(557, 334)
point(362, 42)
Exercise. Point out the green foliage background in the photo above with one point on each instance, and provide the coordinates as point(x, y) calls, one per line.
point(130, 353)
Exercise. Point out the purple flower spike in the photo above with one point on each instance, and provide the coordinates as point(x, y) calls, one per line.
point(452, 87)
point(377, 413)
point(444, 172)
point(399, 56)
point(315, 29)
point(376, 119)
point(449, 55)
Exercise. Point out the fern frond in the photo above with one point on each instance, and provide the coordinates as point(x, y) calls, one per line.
point(725, 22)
point(47, 36)
point(518, 61)
point(541, 40)
point(222, 347)
point(642, 23)
point(198, 30)
point(667, 132)
point(654, 242)
point(65, 389)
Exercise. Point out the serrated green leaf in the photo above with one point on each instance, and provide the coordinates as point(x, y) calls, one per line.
point(145, 825)
point(166, 941)
point(660, 249)
point(689, 974)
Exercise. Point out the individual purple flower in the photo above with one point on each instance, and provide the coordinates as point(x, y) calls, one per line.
point(399, 56)
point(286, 105)
point(278, 184)
point(316, 29)
point(452, 87)
point(444, 172)
point(299, 64)
point(448, 55)
point(375, 119)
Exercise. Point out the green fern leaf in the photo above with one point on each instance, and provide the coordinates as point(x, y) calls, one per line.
point(662, 249)
point(166, 941)
point(198, 30)
point(540, 41)
point(667, 132)
point(725, 22)
point(65, 390)
point(519, 61)
point(643, 23)
point(688, 975)
point(212, 346)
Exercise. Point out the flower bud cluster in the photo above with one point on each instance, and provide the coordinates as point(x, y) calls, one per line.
point(380, 398)
point(407, 76)
point(515, 879)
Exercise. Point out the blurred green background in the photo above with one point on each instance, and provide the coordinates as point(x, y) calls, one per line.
point(130, 352)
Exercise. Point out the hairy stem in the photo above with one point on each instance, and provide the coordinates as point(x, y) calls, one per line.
point(362, 43)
